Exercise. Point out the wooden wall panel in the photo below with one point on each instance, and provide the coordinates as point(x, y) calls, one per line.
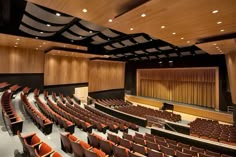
point(105, 75)
point(231, 65)
point(65, 70)
point(186, 85)
point(18, 60)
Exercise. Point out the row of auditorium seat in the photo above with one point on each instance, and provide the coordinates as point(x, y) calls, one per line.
point(156, 146)
point(26, 90)
point(142, 111)
point(15, 88)
point(213, 130)
point(3, 85)
point(34, 147)
point(55, 117)
point(38, 118)
point(71, 144)
point(14, 121)
point(121, 123)
point(112, 102)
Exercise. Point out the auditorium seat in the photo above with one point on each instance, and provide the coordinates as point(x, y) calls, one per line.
point(55, 154)
point(150, 139)
point(113, 138)
point(79, 147)
point(175, 147)
point(181, 154)
point(120, 151)
point(183, 145)
point(107, 146)
point(154, 153)
point(131, 154)
point(128, 136)
point(167, 151)
point(28, 141)
point(140, 149)
point(191, 152)
point(140, 141)
point(126, 143)
point(199, 150)
point(204, 155)
point(93, 140)
point(211, 153)
point(152, 145)
point(65, 141)
point(42, 150)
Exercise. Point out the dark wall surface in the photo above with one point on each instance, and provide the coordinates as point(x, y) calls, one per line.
point(192, 61)
point(31, 80)
point(114, 93)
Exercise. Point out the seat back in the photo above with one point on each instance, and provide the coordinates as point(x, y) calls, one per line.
point(106, 146)
point(208, 152)
point(55, 154)
point(89, 153)
point(120, 151)
point(135, 154)
point(93, 140)
point(113, 138)
point(140, 149)
point(43, 149)
point(127, 136)
point(181, 154)
point(153, 153)
point(167, 151)
point(152, 145)
point(65, 143)
point(77, 149)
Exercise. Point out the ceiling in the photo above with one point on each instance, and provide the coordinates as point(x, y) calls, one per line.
point(123, 30)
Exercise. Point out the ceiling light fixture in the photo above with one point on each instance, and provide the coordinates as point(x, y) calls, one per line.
point(222, 30)
point(131, 29)
point(48, 25)
point(214, 44)
point(58, 14)
point(219, 22)
point(36, 48)
point(44, 43)
point(143, 15)
point(16, 43)
point(15, 46)
point(160, 62)
point(90, 31)
point(170, 61)
point(18, 39)
point(41, 32)
point(182, 38)
point(40, 46)
point(36, 37)
point(85, 10)
point(163, 27)
point(215, 11)
point(173, 33)
point(188, 41)
point(110, 20)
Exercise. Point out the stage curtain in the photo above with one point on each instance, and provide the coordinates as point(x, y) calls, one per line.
point(187, 85)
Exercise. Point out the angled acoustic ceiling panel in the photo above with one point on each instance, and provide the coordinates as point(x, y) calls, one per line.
point(80, 31)
point(98, 40)
point(91, 26)
point(127, 42)
point(33, 32)
point(71, 36)
point(109, 47)
point(109, 33)
point(141, 39)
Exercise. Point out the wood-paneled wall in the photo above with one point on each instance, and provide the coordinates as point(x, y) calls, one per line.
point(105, 75)
point(65, 70)
point(231, 67)
point(18, 60)
point(198, 86)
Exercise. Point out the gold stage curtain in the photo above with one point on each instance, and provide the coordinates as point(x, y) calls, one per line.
point(187, 85)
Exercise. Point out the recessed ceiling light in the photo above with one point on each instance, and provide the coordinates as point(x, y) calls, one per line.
point(80, 37)
point(36, 48)
point(48, 25)
point(41, 32)
point(173, 33)
point(215, 11)
point(90, 31)
point(187, 41)
point(182, 38)
point(44, 43)
point(163, 27)
point(18, 39)
point(110, 20)
point(222, 30)
point(143, 15)
point(58, 14)
point(40, 46)
point(170, 61)
point(85, 10)
point(15, 46)
point(64, 45)
point(36, 37)
point(16, 43)
point(160, 62)
point(72, 41)
point(219, 22)
point(214, 44)
point(131, 29)
point(150, 39)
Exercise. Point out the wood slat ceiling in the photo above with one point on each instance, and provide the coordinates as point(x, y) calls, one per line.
point(219, 47)
point(189, 19)
point(74, 54)
point(37, 44)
